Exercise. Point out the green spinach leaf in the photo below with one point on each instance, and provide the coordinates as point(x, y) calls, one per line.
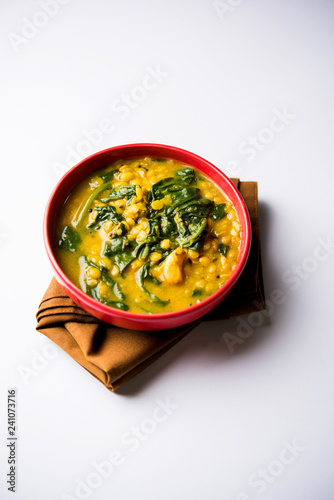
point(142, 274)
point(196, 246)
point(200, 206)
point(93, 292)
point(104, 214)
point(115, 245)
point(122, 260)
point(153, 279)
point(69, 239)
point(108, 280)
point(223, 249)
point(191, 221)
point(192, 231)
point(108, 176)
point(120, 192)
point(90, 200)
point(158, 189)
point(116, 304)
point(180, 196)
point(167, 226)
point(219, 211)
point(186, 175)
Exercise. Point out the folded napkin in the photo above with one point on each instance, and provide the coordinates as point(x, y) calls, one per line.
point(114, 355)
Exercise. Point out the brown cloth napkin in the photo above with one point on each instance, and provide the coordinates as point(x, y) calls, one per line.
point(114, 355)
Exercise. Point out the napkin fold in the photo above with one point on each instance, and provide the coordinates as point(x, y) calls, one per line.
point(114, 355)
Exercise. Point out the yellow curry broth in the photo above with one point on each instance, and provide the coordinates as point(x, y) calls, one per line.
point(177, 275)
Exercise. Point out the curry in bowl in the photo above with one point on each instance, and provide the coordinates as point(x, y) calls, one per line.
point(147, 235)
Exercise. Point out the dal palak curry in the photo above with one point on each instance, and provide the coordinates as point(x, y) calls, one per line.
point(147, 235)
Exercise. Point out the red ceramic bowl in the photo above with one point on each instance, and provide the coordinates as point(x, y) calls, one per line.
point(127, 319)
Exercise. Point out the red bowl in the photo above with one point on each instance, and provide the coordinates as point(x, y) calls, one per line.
point(127, 319)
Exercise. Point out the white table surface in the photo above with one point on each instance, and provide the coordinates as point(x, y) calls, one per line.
point(222, 73)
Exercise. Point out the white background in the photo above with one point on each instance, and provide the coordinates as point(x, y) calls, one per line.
point(225, 72)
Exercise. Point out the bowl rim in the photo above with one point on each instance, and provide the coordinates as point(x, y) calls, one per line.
point(107, 310)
